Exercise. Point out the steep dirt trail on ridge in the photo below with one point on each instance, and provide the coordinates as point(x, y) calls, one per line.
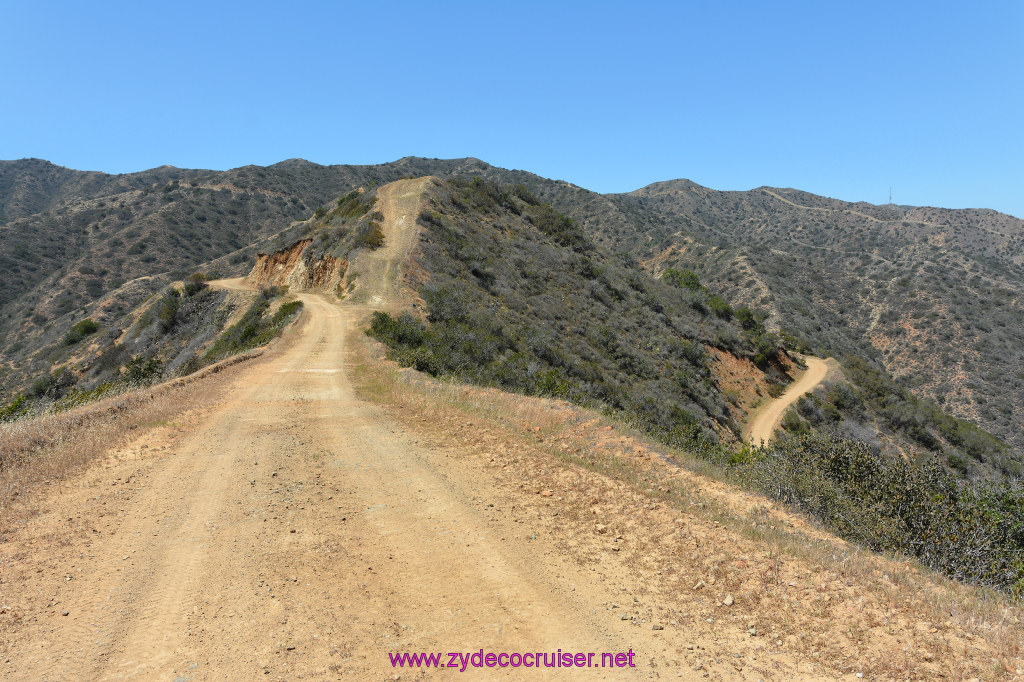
point(763, 426)
point(378, 281)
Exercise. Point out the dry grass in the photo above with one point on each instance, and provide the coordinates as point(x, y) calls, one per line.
point(815, 596)
point(51, 447)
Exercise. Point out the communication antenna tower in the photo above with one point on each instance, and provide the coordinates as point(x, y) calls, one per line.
point(890, 195)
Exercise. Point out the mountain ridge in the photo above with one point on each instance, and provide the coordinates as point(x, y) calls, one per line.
point(767, 248)
point(472, 162)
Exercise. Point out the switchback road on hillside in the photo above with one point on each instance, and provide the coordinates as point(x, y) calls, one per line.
point(767, 419)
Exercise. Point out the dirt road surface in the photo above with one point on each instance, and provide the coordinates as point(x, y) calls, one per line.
point(763, 426)
point(290, 532)
point(293, 530)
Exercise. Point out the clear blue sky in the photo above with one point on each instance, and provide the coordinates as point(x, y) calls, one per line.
point(843, 99)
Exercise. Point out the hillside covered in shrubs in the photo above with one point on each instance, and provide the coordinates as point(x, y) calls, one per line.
point(933, 297)
point(518, 296)
point(179, 331)
point(77, 244)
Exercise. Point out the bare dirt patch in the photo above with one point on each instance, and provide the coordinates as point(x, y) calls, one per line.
point(47, 449)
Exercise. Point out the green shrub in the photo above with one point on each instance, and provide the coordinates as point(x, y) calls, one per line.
point(719, 307)
point(404, 332)
point(373, 237)
point(79, 331)
point(793, 423)
point(142, 371)
point(195, 284)
point(766, 348)
point(168, 314)
point(285, 312)
point(354, 205)
point(272, 291)
point(748, 320)
point(52, 385)
point(16, 408)
point(683, 279)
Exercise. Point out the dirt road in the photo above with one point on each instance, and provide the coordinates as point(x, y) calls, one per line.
point(763, 426)
point(294, 532)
